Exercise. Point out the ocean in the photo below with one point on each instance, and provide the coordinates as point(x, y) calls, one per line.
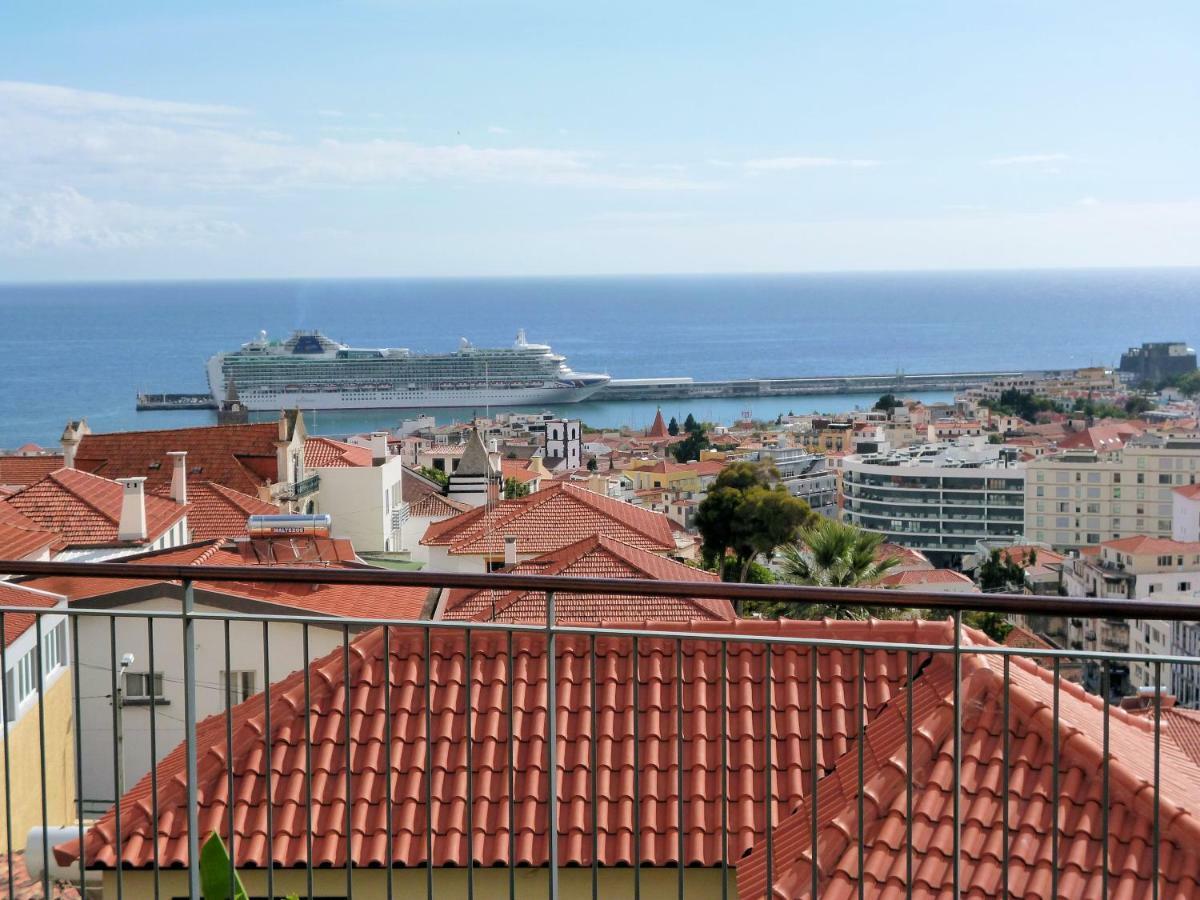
point(84, 350)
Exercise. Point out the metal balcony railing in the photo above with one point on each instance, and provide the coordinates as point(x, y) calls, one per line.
point(698, 698)
point(296, 490)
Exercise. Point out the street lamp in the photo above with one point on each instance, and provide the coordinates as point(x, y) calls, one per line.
point(118, 703)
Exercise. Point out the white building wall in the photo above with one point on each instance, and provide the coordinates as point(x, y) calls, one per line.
point(360, 499)
point(1185, 519)
point(95, 662)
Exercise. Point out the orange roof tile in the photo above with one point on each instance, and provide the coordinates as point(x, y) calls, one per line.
point(550, 519)
point(216, 511)
point(659, 428)
point(916, 577)
point(238, 456)
point(1144, 543)
point(1190, 491)
point(16, 624)
point(708, 689)
point(22, 471)
point(592, 557)
point(324, 452)
point(20, 536)
point(85, 510)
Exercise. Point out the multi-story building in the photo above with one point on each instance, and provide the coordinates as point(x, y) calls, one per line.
point(1155, 362)
point(940, 499)
point(829, 437)
point(1139, 567)
point(1081, 498)
point(806, 475)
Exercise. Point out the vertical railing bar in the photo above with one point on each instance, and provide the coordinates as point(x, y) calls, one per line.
point(9, 718)
point(1054, 784)
point(41, 718)
point(349, 757)
point(1006, 749)
point(78, 755)
point(308, 795)
point(1157, 772)
point(957, 862)
point(229, 760)
point(769, 795)
point(814, 725)
point(388, 824)
point(679, 758)
point(908, 767)
point(512, 779)
point(118, 766)
point(724, 738)
point(1106, 687)
point(594, 758)
point(428, 765)
point(861, 739)
point(267, 757)
point(637, 774)
point(470, 754)
point(153, 757)
point(189, 728)
point(552, 741)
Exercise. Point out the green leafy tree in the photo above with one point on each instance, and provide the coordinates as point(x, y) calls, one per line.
point(690, 424)
point(1189, 384)
point(592, 465)
point(435, 475)
point(514, 489)
point(691, 446)
point(887, 403)
point(990, 622)
point(1137, 405)
point(673, 427)
point(743, 517)
point(829, 553)
point(1000, 574)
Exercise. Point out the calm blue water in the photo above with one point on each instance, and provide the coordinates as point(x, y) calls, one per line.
point(85, 350)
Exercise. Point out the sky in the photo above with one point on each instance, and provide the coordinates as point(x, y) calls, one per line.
point(372, 138)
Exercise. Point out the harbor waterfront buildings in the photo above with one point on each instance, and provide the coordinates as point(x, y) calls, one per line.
point(941, 499)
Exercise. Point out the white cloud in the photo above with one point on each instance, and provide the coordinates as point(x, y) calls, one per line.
point(791, 163)
point(107, 143)
point(66, 219)
point(1029, 159)
point(498, 129)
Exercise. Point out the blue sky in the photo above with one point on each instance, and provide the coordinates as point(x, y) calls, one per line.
point(214, 139)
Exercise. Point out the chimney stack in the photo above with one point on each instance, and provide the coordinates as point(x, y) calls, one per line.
point(132, 526)
point(178, 476)
point(510, 550)
point(70, 439)
point(379, 447)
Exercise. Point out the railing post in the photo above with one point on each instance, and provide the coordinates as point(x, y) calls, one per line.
point(552, 742)
point(189, 731)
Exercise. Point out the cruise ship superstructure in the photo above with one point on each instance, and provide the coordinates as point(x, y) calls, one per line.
point(310, 371)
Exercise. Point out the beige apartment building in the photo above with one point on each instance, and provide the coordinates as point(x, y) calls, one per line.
point(1079, 499)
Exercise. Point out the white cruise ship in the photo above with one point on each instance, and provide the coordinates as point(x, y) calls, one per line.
point(310, 371)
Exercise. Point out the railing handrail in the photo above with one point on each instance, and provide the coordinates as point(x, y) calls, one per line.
point(1087, 607)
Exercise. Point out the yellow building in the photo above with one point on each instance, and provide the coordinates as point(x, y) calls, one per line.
point(22, 808)
point(833, 437)
point(673, 476)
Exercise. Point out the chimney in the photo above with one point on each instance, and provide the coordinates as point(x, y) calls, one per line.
point(510, 550)
point(132, 526)
point(70, 439)
point(379, 447)
point(178, 475)
point(493, 446)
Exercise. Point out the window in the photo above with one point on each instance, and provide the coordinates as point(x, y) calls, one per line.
point(1116, 477)
point(54, 648)
point(1164, 479)
point(1116, 493)
point(1141, 477)
point(1041, 491)
point(241, 685)
point(1184, 586)
point(1093, 538)
point(138, 686)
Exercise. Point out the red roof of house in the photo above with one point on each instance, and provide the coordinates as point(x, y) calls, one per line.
point(662, 467)
point(909, 558)
point(1101, 438)
point(216, 511)
point(20, 536)
point(85, 510)
point(722, 712)
point(323, 452)
point(1190, 491)
point(659, 428)
point(238, 456)
point(1144, 543)
point(518, 469)
point(16, 624)
point(342, 601)
point(22, 471)
point(592, 557)
point(914, 577)
point(550, 519)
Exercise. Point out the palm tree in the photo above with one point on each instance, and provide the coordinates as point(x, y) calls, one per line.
point(835, 554)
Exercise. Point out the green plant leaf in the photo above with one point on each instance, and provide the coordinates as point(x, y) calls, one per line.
point(214, 872)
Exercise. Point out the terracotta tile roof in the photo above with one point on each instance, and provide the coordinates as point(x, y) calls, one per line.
point(592, 557)
point(1102, 438)
point(916, 577)
point(1190, 491)
point(909, 558)
point(238, 456)
point(342, 601)
point(22, 471)
point(518, 469)
point(322, 452)
point(708, 733)
point(435, 506)
point(1144, 543)
point(549, 519)
point(215, 511)
point(16, 624)
point(1026, 639)
point(20, 536)
point(27, 888)
point(658, 429)
point(85, 509)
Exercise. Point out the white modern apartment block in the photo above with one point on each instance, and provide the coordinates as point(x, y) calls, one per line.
point(937, 498)
point(806, 475)
point(1132, 568)
point(1185, 513)
point(366, 503)
point(1078, 499)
